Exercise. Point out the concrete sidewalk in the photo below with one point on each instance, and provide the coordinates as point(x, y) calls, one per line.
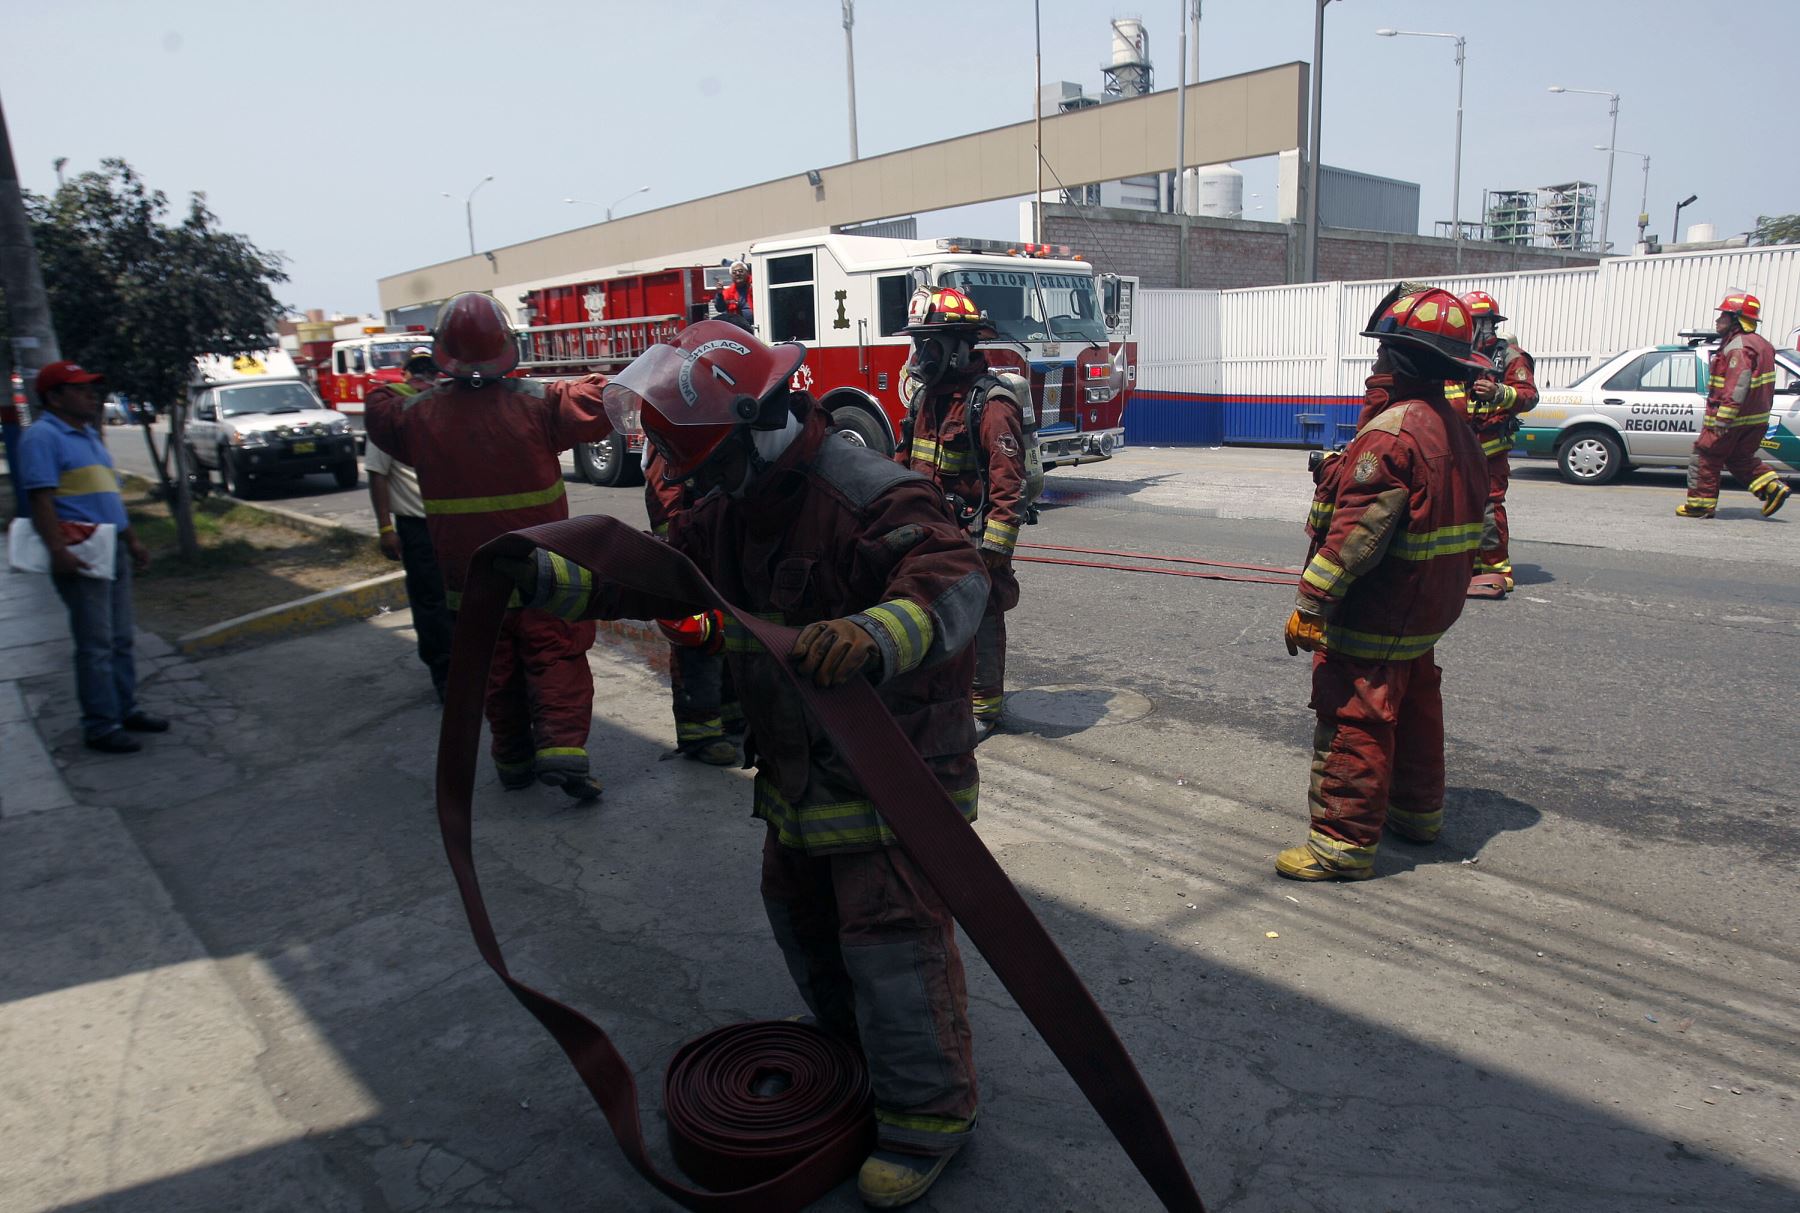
point(236, 974)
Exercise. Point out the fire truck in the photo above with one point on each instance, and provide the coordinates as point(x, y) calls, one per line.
point(358, 363)
point(1069, 332)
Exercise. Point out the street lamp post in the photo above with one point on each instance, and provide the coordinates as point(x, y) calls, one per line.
point(1456, 175)
point(1312, 151)
point(608, 209)
point(1612, 146)
point(1644, 203)
point(469, 209)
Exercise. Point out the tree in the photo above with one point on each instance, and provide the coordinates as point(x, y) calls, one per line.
point(140, 298)
point(1776, 229)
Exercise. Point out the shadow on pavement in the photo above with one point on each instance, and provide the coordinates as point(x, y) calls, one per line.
point(313, 871)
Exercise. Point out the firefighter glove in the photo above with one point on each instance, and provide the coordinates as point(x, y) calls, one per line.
point(834, 650)
point(1305, 632)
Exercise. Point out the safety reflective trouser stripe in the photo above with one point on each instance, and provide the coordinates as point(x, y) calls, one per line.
point(1336, 853)
point(1495, 446)
point(1752, 419)
point(491, 505)
point(1762, 482)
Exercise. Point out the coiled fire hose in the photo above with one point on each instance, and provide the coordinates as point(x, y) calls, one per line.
point(716, 1146)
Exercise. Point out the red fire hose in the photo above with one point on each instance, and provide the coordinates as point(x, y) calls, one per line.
point(1286, 579)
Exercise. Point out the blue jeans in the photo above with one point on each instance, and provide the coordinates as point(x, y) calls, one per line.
point(105, 674)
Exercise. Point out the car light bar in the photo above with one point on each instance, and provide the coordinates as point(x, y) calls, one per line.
point(1002, 248)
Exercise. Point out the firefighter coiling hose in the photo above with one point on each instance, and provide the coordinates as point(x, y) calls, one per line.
point(716, 404)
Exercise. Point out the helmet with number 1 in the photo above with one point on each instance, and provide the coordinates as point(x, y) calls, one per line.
point(1746, 307)
point(692, 394)
point(473, 340)
point(1426, 320)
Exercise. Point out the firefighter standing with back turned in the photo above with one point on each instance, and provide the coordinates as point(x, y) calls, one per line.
point(1394, 528)
point(799, 526)
point(965, 431)
point(1740, 391)
point(1493, 404)
point(486, 450)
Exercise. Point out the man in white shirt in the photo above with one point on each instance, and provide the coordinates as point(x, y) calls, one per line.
point(400, 517)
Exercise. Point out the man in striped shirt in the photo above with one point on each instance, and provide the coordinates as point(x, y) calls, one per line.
point(67, 474)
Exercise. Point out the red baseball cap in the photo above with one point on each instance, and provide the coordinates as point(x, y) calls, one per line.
point(57, 374)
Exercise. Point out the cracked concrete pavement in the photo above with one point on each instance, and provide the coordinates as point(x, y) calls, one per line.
point(236, 975)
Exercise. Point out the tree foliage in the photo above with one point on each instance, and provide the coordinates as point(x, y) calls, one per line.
point(1776, 229)
point(139, 297)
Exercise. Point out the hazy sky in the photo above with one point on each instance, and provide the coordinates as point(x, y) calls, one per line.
point(329, 131)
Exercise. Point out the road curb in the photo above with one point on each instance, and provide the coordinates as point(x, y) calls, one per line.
point(292, 519)
point(361, 600)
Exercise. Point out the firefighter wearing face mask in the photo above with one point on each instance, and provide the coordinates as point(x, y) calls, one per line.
point(965, 430)
point(795, 525)
point(1493, 404)
point(1393, 530)
point(486, 451)
point(1740, 392)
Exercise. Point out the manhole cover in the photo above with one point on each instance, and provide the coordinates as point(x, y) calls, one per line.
point(1075, 706)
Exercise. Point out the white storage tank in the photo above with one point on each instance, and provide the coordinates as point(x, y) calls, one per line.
point(1214, 190)
point(1130, 44)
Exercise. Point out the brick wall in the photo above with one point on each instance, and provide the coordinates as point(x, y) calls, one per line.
point(1227, 253)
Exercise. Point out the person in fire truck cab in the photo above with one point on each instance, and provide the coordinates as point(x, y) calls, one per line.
point(707, 713)
point(486, 449)
point(732, 301)
point(1394, 528)
point(1493, 404)
point(1740, 391)
point(795, 525)
point(965, 431)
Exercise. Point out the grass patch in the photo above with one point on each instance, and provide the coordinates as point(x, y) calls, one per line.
point(248, 560)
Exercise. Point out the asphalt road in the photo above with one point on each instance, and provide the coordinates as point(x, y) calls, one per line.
point(1583, 997)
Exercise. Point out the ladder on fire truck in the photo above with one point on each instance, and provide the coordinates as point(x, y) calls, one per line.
point(587, 345)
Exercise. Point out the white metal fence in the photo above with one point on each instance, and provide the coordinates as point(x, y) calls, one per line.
point(1301, 341)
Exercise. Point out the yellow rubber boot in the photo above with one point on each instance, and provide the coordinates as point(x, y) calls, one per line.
point(1301, 863)
point(889, 1179)
point(1688, 509)
point(1778, 495)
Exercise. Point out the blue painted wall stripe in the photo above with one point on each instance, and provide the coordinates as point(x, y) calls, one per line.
point(1159, 418)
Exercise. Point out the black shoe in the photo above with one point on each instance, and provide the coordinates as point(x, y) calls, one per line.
point(115, 742)
point(144, 722)
point(579, 784)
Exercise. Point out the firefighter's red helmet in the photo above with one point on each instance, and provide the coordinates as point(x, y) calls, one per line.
point(691, 394)
point(1427, 318)
point(473, 339)
point(1746, 306)
point(1483, 306)
point(934, 309)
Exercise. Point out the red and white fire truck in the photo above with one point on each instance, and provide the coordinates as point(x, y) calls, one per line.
point(1069, 331)
point(358, 363)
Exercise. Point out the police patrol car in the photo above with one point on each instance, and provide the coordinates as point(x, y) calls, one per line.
point(1643, 408)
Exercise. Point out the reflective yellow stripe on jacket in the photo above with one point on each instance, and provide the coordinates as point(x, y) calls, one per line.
point(1445, 541)
point(493, 505)
point(1377, 646)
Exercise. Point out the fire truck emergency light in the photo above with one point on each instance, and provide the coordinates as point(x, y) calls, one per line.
point(1001, 248)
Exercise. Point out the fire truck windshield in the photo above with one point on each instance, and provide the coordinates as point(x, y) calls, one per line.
point(1027, 306)
point(390, 355)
